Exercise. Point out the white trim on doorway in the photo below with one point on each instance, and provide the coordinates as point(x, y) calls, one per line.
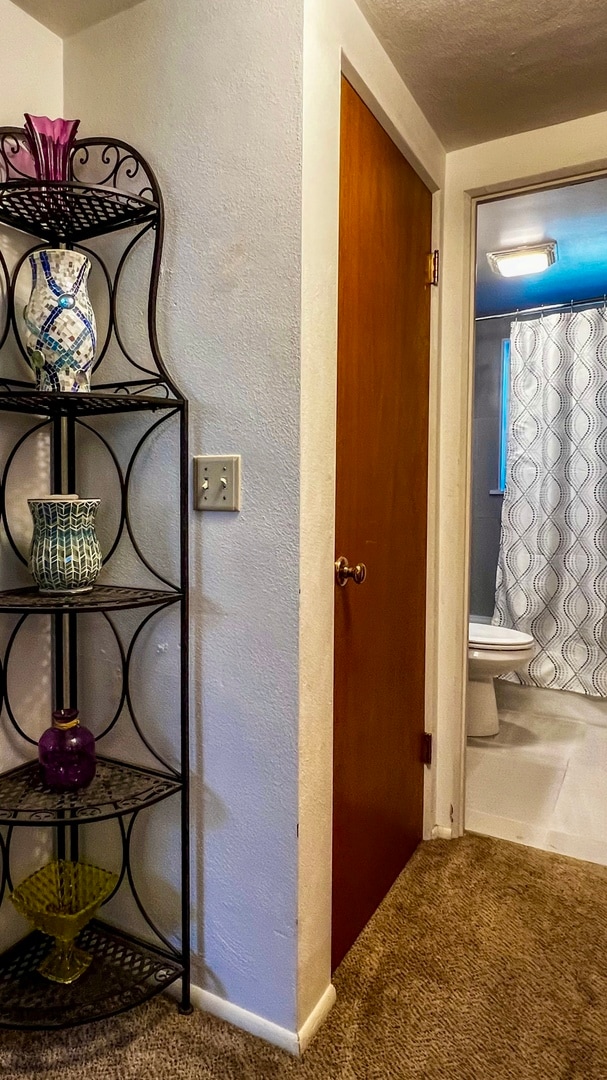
point(570, 151)
point(337, 39)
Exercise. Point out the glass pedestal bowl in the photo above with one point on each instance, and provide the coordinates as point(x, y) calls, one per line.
point(60, 899)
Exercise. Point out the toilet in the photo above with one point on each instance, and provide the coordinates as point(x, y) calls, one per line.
point(492, 651)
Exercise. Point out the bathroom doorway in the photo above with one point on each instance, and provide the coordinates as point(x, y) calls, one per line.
point(536, 771)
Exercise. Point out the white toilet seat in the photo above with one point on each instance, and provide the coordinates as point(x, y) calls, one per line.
point(486, 636)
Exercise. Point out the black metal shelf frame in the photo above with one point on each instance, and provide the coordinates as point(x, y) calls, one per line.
point(70, 212)
point(19, 397)
point(118, 789)
point(30, 601)
point(112, 190)
point(125, 972)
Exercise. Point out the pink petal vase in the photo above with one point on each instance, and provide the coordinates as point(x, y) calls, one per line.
point(51, 143)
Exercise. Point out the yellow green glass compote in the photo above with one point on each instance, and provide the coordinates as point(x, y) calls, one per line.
point(60, 899)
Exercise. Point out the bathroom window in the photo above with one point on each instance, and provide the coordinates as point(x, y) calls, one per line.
point(503, 417)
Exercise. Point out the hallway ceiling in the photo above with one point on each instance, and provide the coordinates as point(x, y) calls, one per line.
point(480, 70)
point(65, 17)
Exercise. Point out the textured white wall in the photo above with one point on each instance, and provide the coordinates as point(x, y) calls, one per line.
point(211, 94)
point(31, 67)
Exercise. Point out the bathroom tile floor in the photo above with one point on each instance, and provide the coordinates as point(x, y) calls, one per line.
point(541, 781)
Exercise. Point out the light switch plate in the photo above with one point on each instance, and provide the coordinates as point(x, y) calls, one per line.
point(217, 482)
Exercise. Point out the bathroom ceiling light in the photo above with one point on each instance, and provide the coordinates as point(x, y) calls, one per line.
point(516, 262)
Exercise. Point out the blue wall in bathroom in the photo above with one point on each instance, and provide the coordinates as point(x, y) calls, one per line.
point(575, 216)
point(486, 508)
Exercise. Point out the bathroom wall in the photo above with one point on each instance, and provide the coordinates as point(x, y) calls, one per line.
point(486, 508)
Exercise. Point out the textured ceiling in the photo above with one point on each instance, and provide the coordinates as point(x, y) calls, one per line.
point(481, 69)
point(575, 216)
point(65, 17)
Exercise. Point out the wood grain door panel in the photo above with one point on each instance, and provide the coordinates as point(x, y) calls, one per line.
point(381, 507)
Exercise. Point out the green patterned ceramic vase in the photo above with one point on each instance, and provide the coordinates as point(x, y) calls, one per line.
point(65, 557)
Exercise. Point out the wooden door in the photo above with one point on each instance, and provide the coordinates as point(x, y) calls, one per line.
point(381, 506)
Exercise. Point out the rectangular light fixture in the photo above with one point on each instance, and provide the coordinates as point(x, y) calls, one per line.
point(516, 262)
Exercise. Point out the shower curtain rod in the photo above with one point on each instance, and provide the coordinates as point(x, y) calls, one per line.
point(545, 307)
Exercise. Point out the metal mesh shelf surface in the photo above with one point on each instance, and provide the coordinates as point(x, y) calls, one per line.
point(124, 972)
point(52, 404)
point(118, 788)
point(100, 598)
point(70, 212)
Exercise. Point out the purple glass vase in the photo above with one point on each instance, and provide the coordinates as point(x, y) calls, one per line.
point(66, 753)
point(51, 143)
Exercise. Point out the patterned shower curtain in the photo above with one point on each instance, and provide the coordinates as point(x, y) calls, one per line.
point(552, 567)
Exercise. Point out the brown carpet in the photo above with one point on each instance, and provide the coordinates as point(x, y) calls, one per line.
point(487, 960)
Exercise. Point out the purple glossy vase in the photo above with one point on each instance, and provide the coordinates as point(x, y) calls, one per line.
point(66, 753)
point(51, 143)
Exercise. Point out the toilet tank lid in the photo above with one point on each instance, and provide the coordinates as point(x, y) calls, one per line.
point(485, 634)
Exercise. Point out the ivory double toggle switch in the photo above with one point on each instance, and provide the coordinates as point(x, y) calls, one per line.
point(217, 482)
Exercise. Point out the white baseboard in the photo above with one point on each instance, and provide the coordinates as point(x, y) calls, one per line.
point(316, 1018)
point(442, 832)
point(294, 1042)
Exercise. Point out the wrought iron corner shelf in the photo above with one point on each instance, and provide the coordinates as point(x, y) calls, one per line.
point(69, 212)
point(111, 190)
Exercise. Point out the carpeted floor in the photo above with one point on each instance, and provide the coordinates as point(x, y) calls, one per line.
point(486, 961)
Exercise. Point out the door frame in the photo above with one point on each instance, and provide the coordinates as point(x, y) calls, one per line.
point(338, 40)
point(520, 163)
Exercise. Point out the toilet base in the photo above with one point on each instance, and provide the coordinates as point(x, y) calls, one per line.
point(481, 708)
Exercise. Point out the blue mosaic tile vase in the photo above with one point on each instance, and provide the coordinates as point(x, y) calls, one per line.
point(65, 555)
point(60, 332)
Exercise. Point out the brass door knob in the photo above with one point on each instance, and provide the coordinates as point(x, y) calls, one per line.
point(343, 572)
